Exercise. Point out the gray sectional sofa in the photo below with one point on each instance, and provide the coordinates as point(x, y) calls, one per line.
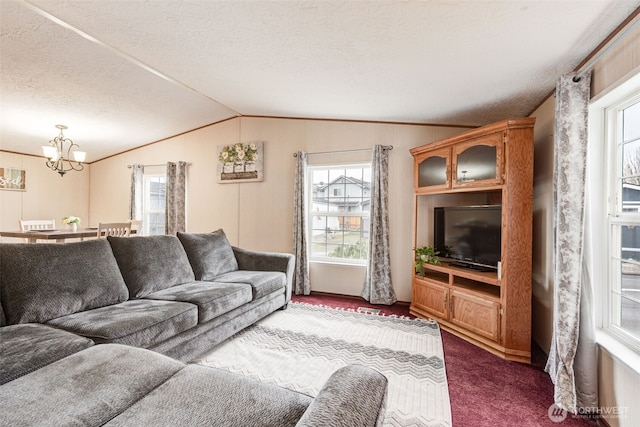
point(177, 295)
point(118, 385)
point(79, 320)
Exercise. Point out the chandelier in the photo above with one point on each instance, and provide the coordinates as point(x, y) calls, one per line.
point(59, 157)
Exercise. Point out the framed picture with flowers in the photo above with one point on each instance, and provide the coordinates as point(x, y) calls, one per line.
point(240, 162)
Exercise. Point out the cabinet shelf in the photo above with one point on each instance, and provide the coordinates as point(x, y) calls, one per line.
point(482, 284)
point(457, 190)
point(479, 288)
point(492, 164)
point(489, 277)
point(436, 276)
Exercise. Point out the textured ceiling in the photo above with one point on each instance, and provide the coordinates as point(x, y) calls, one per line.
point(121, 74)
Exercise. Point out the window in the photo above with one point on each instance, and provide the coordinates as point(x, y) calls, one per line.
point(622, 314)
point(613, 218)
point(339, 205)
point(154, 203)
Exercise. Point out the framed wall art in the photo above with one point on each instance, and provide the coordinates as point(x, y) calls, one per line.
point(13, 179)
point(240, 162)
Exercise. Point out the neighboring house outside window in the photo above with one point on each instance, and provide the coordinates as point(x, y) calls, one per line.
point(615, 206)
point(338, 213)
point(154, 204)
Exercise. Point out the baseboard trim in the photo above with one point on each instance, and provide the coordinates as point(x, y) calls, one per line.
point(353, 297)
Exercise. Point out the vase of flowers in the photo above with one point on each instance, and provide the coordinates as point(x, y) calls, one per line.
point(72, 221)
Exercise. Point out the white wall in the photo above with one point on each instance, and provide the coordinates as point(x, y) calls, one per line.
point(619, 384)
point(47, 195)
point(542, 265)
point(259, 215)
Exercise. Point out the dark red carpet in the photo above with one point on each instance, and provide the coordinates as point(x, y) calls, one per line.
point(484, 389)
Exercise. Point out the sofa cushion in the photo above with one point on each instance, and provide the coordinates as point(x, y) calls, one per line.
point(88, 388)
point(140, 323)
point(212, 298)
point(151, 263)
point(30, 346)
point(262, 282)
point(199, 395)
point(210, 254)
point(39, 282)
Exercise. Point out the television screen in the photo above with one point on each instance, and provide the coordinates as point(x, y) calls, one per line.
point(469, 235)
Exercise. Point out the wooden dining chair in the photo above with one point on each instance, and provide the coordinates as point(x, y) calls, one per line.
point(119, 229)
point(37, 224)
point(136, 226)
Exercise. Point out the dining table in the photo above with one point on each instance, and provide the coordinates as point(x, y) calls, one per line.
point(59, 235)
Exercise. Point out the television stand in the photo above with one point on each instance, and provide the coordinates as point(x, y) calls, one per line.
point(490, 165)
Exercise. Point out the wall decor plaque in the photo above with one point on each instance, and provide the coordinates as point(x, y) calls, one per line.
point(240, 162)
point(13, 179)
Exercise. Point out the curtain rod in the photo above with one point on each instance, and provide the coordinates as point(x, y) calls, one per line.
point(148, 166)
point(385, 147)
point(593, 61)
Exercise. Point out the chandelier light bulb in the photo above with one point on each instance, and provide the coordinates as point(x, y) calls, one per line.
point(59, 151)
point(79, 156)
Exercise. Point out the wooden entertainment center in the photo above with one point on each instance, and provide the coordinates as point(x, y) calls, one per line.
point(491, 165)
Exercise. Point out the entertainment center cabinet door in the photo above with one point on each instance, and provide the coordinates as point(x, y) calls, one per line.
point(478, 315)
point(478, 162)
point(430, 297)
point(432, 170)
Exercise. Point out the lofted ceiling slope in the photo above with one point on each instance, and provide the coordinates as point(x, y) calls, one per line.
point(121, 74)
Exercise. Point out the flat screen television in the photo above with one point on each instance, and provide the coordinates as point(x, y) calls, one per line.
point(469, 236)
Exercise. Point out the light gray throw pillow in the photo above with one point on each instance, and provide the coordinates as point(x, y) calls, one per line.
point(210, 254)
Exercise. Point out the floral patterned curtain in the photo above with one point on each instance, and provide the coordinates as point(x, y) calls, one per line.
point(301, 274)
point(175, 202)
point(135, 203)
point(572, 362)
point(378, 288)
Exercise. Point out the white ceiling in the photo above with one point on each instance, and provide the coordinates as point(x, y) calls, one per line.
point(121, 74)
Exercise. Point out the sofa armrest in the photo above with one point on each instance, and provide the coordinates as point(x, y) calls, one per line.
point(354, 396)
point(267, 261)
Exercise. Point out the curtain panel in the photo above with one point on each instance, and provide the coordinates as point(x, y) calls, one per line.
point(301, 285)
point(176, 198)
point(572, 362)
point(378, 288)
point(135, 203)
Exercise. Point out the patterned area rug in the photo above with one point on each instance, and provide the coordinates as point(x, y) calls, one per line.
point(299, 348)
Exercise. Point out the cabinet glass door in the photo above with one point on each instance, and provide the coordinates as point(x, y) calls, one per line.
point(478, 162)
point(432, 170)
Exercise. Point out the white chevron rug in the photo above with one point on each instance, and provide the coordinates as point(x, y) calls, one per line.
point(299, 348)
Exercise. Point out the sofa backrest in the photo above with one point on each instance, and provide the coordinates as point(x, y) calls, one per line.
point(210, 254)
point(151, 263)
point(39, 282)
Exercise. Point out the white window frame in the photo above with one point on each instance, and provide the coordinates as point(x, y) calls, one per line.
point(311, 214)
point(146, 209)
point(604, 188)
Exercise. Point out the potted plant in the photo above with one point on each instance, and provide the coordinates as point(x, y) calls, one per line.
point(425, 255)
